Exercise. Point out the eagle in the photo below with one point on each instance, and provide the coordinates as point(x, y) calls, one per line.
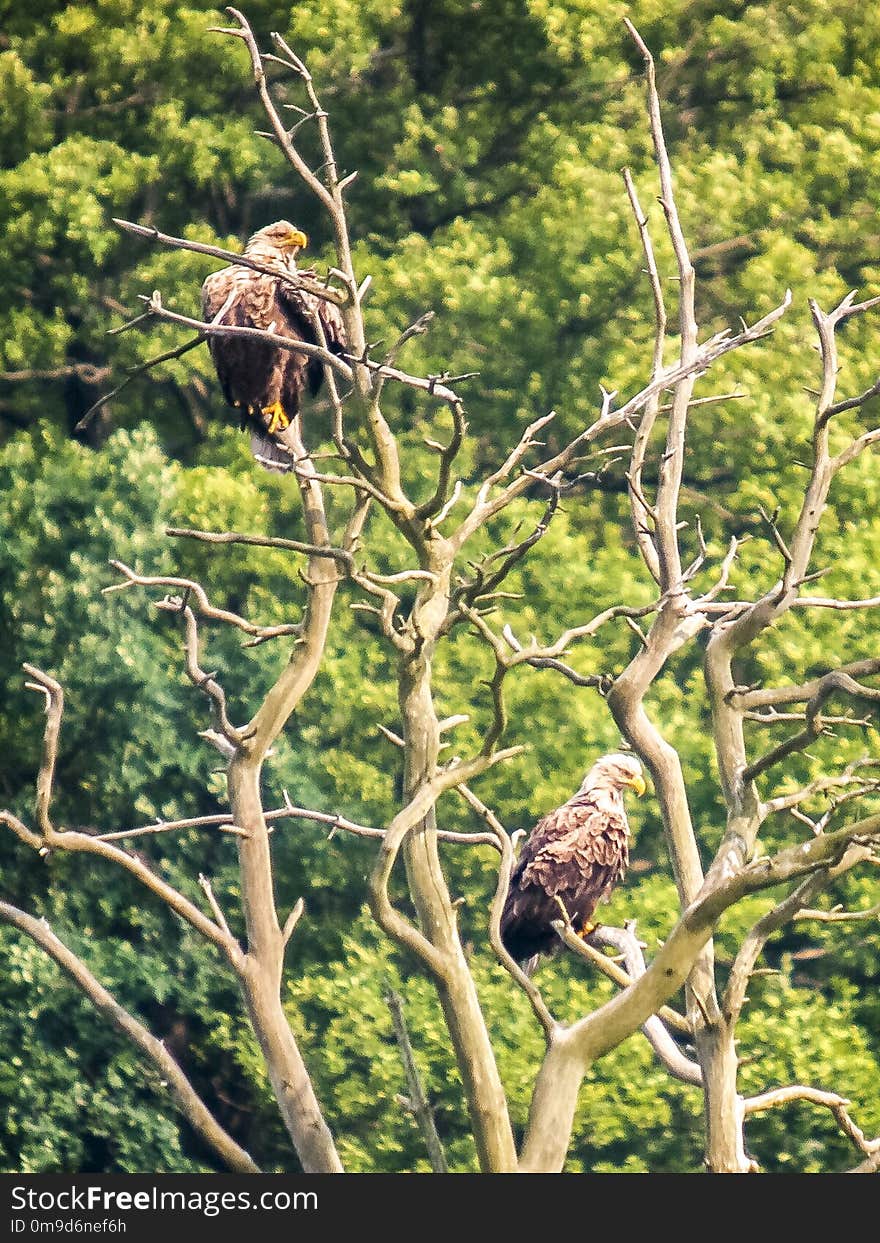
point(574, 855)
point(265, 382)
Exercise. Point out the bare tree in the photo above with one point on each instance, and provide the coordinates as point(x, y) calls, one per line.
point(452, 589)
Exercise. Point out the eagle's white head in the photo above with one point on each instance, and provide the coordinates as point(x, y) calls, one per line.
point(281, 240)
point(616, 772)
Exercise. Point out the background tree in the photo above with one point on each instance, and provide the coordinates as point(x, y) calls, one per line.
point(526, 262)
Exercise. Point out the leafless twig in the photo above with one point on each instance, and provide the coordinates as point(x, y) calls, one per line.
point(194, 591)
point(417, 1102)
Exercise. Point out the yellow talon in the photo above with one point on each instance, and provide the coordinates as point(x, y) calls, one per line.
point(278, 420)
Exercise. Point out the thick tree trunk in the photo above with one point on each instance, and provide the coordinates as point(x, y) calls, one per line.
point(260, 978)
point(261, 972)
point(486, 1100)
point(722, 1104)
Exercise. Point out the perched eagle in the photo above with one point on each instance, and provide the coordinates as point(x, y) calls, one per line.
point(266, 383)
point(576, 854)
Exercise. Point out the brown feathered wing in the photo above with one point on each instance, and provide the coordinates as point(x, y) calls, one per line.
point(254, 374)
point(577, 853)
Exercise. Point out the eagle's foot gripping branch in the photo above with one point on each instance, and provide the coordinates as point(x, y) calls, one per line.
point(278, 420)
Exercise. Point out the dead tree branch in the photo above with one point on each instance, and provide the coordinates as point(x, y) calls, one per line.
point(417, 1102)
point(827, 1100)
point(505, 846)
point(298, 280)
point(187, 1100)
point(654, 1028)
point(831, 684)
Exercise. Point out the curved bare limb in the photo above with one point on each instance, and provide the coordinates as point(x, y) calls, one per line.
point(838, 1105)
point(190, 1104)
point(624, 941)
point(505, 845)
point(51, 838)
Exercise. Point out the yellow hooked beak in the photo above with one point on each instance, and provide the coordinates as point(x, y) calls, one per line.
point(638, 784)
point(296, 237)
